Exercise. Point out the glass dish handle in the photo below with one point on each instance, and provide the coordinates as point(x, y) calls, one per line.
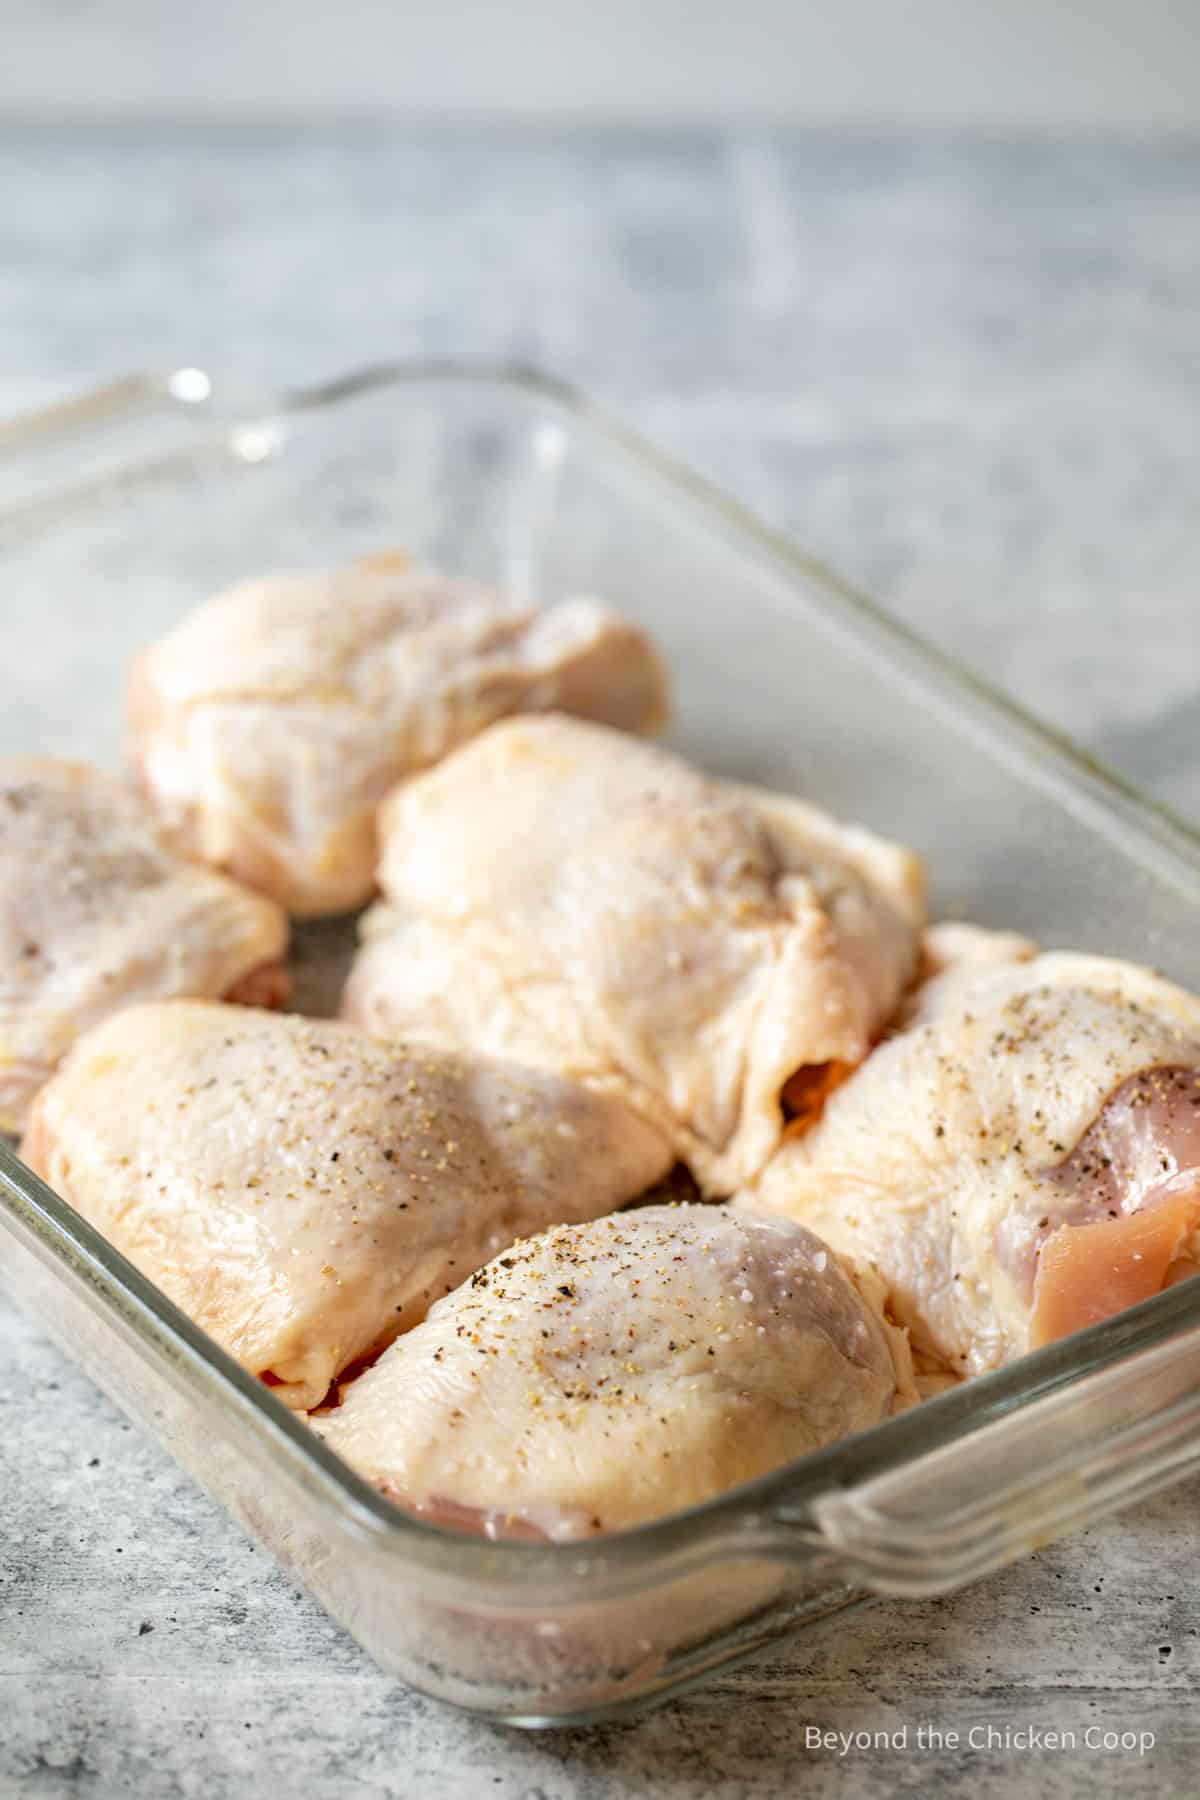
point(102, 432)
point(1011, 1486)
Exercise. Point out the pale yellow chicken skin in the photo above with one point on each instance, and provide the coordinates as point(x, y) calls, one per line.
point(269, 724)
point(97, 912)
point(601, 1375)
point(303, 1192)
point(592, 904)
point(1020, 1160)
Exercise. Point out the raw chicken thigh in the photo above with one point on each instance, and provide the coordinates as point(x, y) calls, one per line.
point(589, 903)
point(96, 912)
point(1021, 1160)
point(269, 724)
point(952, 952)
point(603, 1374)
point(303, 1192)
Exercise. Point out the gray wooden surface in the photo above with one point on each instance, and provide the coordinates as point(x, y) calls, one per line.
point(969, 375)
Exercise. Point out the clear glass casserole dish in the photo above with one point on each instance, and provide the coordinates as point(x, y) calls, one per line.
point(119, 511)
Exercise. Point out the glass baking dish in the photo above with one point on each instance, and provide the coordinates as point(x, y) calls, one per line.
point(120, 510)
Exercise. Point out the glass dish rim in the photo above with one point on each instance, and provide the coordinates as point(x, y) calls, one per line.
point(779, 1498)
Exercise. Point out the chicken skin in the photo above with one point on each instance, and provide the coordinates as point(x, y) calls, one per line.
point(952, 952)
point(269, 724)
point(603, 1374)
point(96, 912)
point(303, 1192)
point(1020, 1160)
point(589, 903)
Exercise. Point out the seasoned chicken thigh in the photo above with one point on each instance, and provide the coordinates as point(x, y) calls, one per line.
point(97, 912)
point(603, 1374)
point(304, 1192)
point(953, 952)
point(1021, 1160)
point(588, 903)
point(269, 724)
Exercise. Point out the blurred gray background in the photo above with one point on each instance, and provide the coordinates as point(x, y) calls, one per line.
point(921, 283)
point(980, 63)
